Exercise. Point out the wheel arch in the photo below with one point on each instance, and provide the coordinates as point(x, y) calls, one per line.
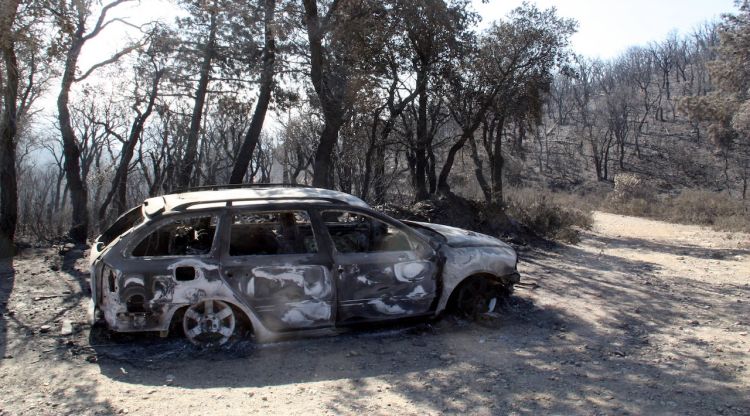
point(450, 292)
point(241, 313)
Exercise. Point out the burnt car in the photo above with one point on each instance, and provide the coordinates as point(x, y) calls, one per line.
point(280, 259)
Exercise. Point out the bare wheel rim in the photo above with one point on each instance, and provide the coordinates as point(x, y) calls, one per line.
point(209, 323)
point(475, 298)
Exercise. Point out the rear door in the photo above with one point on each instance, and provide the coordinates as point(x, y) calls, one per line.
point(274, 261)
point(173, 262)
point(383, 270)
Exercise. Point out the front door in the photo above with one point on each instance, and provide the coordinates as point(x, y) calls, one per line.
point(383, 272)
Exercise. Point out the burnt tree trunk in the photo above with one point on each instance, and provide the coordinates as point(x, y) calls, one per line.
point(380, 185)
point(191, 149)
point(71, 151)
point(375, 169)
point(264, 97)
point(497, 164)
point(420, 149)
point(468, 128)
point(479, 171)
point(370, 154)
point(78, 192)
point(118, 193)
point(448, 165)
point(322, 163)
point(8, 130)
point(330, 92)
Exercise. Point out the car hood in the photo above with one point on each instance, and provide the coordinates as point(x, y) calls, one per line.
point(458, 237)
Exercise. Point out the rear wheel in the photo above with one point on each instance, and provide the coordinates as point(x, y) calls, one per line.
point(209, 323)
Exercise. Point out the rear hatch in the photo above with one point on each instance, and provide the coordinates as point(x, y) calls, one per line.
point(119, 228)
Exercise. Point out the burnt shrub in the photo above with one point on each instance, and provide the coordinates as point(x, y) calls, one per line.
point(632, 195)
point(707, 208)
point(549, 215)
point(637, 197)
point(527, 215)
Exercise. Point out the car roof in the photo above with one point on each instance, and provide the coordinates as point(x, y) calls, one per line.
point(183, 200)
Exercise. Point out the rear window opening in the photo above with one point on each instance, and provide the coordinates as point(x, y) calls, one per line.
point(180, 237)
point(126, 221)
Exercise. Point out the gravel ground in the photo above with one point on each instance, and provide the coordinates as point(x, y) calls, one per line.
point(641, 317)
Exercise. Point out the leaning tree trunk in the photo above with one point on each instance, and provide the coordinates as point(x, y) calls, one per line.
point(443, 185)
point(264, 97)
point(8, 130)
point(191, 149)
point(118, 192)
point(466, 134)
point(78, 192)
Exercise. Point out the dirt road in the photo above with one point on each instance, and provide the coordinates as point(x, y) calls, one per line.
point(642, 317)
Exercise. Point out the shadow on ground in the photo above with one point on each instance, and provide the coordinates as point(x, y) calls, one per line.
point(7, 278)
point(687, 250)
point(38, 289)
point(588, 340)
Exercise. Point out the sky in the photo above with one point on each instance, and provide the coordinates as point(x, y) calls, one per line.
point(606, 27)
point(609, 27)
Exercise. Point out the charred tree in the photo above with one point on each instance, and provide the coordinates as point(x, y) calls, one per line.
point(8, 130)
point(77, 36)
point(245, 153)
point(190, 156)
point(118, 192)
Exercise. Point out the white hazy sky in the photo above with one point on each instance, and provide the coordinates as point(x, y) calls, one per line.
point(608, 27)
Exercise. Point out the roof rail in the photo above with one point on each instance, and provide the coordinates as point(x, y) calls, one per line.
point(240, 186)
point(230, 202)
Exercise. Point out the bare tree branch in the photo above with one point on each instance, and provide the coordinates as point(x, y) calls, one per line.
point(111, 60)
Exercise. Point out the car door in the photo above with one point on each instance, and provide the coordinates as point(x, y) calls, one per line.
point(383, 270)
point(174, 262)
point(273, 260)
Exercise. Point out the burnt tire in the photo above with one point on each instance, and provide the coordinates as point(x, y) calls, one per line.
point(478, 296)
point(209, 323)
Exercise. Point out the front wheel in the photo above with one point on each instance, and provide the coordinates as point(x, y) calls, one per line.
point(209, 323)
point(478, 296)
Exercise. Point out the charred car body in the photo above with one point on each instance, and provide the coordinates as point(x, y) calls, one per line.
point(284, 259)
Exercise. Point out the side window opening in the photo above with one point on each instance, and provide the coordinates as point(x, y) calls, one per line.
point(357, 233)
point(181, 237)
point(270, 233)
